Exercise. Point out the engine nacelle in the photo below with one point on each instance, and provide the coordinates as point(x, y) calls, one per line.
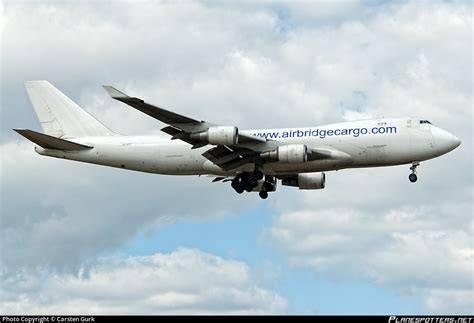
point(220, 135)
point(288, 154)
point(306, 181)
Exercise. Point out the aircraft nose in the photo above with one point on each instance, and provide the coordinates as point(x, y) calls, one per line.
point(444, 141)
point(456, 141)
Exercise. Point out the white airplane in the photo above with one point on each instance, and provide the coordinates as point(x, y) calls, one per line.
point(252, 160)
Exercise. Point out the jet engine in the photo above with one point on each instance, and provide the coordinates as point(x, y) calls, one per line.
point(306, 181)
point(220, 135)
point(287, 154)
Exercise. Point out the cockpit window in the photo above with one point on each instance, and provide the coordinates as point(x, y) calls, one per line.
point(424, 121)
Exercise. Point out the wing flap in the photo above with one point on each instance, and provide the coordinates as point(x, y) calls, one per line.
point(179, 134)
point(229, 158)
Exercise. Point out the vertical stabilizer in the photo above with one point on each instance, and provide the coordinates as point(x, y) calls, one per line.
point(60, 116)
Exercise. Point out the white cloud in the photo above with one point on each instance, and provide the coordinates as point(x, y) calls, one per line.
point(422, 250)
point(203, 59)
point(450, 301)
point(407, 238)
point(186, 281)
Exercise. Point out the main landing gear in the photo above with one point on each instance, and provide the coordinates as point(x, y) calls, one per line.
point(249, 181)
point(246, 181)
point(412, 177)
point(269, 185)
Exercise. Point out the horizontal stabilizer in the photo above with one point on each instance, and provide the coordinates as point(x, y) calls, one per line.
point(50, 142)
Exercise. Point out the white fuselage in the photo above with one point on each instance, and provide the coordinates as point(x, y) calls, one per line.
point(366, 143)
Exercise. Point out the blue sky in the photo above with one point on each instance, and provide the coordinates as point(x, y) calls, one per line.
point(239, 237)
point(369, 243)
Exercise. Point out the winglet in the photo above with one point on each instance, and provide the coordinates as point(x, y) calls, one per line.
point(114, 93)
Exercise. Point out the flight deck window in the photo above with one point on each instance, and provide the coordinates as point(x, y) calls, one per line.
point(425, 121)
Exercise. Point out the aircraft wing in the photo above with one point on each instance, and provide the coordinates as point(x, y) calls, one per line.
point(192, 131)
point(179, 126)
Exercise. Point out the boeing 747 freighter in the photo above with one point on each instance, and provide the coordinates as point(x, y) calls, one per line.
point(251, 160)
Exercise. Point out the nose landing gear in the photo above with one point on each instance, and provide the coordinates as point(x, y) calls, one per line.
point(412, 177)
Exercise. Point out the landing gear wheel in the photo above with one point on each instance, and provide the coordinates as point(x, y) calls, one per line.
point(252, 183)
point(258, 174)
point(235, 185)
point(412, 177)
point(263, 194)
point(268, 186)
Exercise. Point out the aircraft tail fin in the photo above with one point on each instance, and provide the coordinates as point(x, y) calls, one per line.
point(50, 142)
point(59, 116)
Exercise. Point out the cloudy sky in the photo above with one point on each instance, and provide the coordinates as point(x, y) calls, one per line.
point(78, 238)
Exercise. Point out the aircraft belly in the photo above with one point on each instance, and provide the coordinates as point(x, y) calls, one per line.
point(140, 157)
point(179, 164)
point(379, 151)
